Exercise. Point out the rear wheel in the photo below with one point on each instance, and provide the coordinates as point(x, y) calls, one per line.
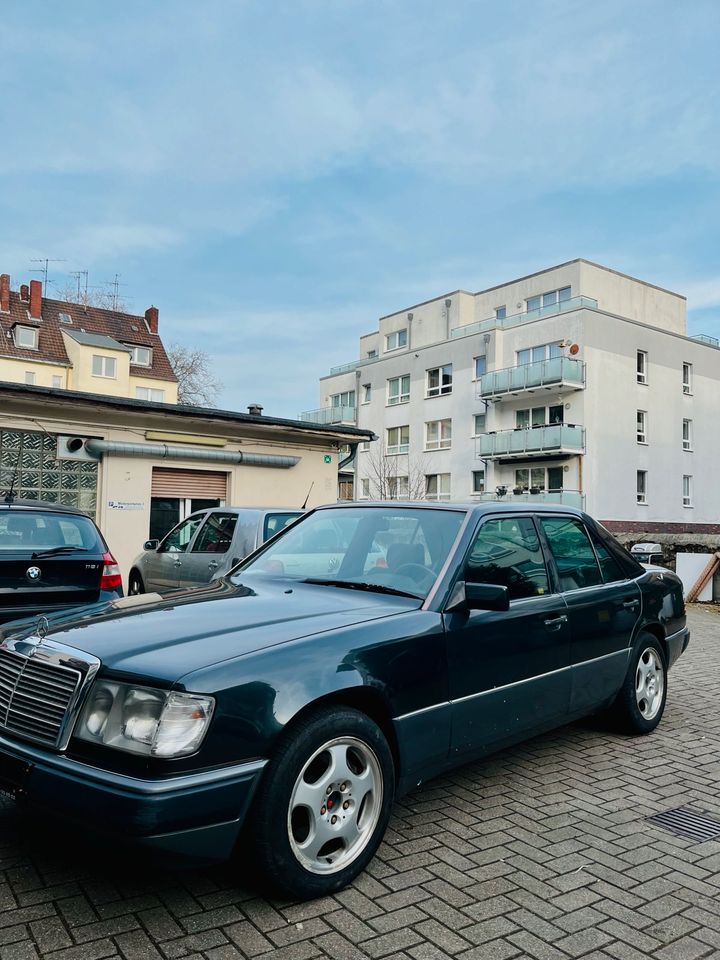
point(135, 583)
point(641, 702)
point(323, 804)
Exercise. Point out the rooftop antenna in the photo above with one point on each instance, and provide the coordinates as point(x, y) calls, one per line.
point(79, 274)
point(115, 284)
point(44, 269)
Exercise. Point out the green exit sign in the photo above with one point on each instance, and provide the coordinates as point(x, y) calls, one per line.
point(327, 458)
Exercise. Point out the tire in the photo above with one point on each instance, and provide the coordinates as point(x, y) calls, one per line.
point(323, 804)
point(640, 703)
point(135, 583)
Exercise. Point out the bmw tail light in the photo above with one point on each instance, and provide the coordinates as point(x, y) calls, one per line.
point(111, 578)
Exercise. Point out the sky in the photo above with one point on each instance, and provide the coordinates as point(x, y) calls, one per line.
point(275, 175)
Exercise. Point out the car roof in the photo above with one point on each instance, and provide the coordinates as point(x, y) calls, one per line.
point(260, 511)
point(18, 504)
point(488, 506)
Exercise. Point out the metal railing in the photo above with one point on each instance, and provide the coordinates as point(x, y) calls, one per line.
point(340, 414)
point(557, 437)
point(516, 319)
point(567, 498)
point(529, 376)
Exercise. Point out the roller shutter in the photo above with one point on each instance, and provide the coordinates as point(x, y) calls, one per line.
point(205, 484)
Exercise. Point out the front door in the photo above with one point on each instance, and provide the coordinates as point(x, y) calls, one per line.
point(603, 606)
point(509, 671)
point(162, 568)
point(208, 554)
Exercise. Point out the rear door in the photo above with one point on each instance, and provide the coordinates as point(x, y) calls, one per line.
point(209, 553)
point(163, 568)
point(603, 606)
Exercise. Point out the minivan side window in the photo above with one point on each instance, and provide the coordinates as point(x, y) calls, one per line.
point(573, 553)
point(507, 552)
point(216, 534)
point(178, 539)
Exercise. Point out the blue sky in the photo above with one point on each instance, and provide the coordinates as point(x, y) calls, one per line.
point(275, 175)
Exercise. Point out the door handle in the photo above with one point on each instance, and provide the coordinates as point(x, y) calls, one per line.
point(631, 604)
point(213, 564)
point(554, 623)
point(177, 563)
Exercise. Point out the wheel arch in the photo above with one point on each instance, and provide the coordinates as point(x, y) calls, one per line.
point(656, 630)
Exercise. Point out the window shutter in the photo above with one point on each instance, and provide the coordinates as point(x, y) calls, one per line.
point(201, 484)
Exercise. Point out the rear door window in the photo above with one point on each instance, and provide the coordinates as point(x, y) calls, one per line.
point(611, 569)
point(216, 534)
point(572, 551)
point(507, 553)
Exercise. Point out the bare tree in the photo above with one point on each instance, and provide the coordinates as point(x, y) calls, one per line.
point(193, 368)
point(394, 476)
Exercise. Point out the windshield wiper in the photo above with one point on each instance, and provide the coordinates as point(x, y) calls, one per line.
point(355, 585)
point(54, 551)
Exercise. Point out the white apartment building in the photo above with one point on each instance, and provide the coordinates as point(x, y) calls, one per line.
point(576, 384)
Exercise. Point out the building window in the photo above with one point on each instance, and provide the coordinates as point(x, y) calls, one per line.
point(398, 390)
point(346, 399)
point(398, 488)
point(371, 354)
point(642, 426)
point(104, 366)
point(26, 337)
point(500, 313)
point(365, 488)
point(479, 424)
point(642, 366)
point(438, 434)
point(365, 446)
point(396, 340)
point(687, 378)
point(29, 378)
point(546, 351)
point(148, 393)
point(687, 434)
point(56, 380)
point(687, 491)
point(398, 439)
point(437, 486)
point(480, 367)
point(539, 417)
point(549, 299)
point(642, 486)
point(366, 393)
point(141, 356)
point(478, 481)
point(439, 381)
point(529, 479)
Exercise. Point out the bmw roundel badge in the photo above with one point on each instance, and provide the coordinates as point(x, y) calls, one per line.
point(33, 573)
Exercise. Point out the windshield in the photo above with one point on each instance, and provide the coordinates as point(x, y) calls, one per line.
point(399, 548)
point(30, 531)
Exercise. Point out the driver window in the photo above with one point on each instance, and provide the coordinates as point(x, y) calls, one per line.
point(507, 553)
point(178, 539)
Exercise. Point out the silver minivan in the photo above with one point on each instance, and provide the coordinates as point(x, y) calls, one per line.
point(204, 546)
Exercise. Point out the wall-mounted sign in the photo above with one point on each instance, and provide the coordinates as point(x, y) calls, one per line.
point(327, 458)
point(126, 504)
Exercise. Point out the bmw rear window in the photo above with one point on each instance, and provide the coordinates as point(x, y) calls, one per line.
point(23, 531)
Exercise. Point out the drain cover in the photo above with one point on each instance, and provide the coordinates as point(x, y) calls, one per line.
point(686, 822)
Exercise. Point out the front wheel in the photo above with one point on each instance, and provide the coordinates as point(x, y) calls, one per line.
point(323, 804)
point(641, 702)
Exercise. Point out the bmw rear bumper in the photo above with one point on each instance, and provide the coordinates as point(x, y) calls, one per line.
point(197, 817)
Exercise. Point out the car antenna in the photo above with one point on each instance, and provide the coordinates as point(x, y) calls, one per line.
point(308, 495)
point(10, 495)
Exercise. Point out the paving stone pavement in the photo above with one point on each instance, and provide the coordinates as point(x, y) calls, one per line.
point(540, 851)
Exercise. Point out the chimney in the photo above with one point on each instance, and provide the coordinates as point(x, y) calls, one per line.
point(5, 292)
point(255, 410)
point(36, 300)
point(151, 319)
point(24, 292)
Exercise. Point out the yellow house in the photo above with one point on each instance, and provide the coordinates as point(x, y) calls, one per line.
point(69, 346)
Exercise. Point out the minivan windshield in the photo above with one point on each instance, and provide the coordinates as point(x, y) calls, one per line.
point(385, 548)
point(36, 532)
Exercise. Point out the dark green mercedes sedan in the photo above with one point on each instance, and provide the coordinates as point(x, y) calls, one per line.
point(357, 653)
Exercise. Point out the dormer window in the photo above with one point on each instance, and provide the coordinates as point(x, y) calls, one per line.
point(141, 356)
point(26, 337)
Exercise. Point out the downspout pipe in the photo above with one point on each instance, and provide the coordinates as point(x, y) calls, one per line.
point(100, 448)
point(350, 457)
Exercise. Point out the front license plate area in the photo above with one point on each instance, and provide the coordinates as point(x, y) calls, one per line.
point(13, 775)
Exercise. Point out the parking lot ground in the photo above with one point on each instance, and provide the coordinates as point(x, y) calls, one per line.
point(541, 851)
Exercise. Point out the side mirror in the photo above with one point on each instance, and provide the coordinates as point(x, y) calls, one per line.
point(479, 596)
point(151, 545)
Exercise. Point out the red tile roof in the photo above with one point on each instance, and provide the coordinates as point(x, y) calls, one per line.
point(124, 327)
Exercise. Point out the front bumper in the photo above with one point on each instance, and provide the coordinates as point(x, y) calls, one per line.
point(197, 817)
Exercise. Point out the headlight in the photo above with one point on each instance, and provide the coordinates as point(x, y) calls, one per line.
point(156, 723)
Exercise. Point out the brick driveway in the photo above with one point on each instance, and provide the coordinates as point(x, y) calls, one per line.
point(540, 851)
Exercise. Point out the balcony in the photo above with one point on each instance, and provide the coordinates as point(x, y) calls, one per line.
point(328, 415)
point(553, 440)
point(564, 306)
point(567, 498)
point(559, 374)
point(353, 365)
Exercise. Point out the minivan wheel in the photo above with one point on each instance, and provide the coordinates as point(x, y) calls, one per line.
point(323, 804)
point(135, 583)
point(640, 703)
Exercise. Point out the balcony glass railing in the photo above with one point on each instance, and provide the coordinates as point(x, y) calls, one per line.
point(329, 415)
point(530, 376)
point(574, 303)
point(704, 338)
point(558, 437)
point(353, 365)
point(567, 498)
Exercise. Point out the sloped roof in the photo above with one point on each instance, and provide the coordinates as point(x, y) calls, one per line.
point(94, 339)
point(124, 328)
